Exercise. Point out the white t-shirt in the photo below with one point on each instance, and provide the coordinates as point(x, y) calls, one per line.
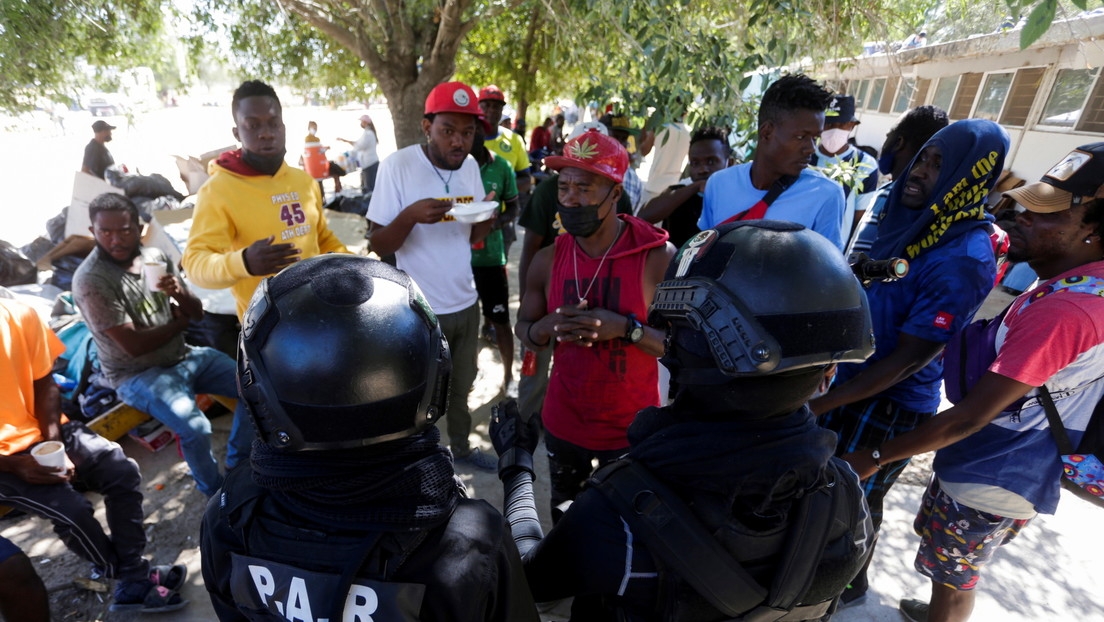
point(437, 256)
point(365, 147)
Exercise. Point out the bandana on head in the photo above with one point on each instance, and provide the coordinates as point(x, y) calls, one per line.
point(973, 157)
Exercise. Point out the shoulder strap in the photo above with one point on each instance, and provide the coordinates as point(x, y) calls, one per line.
point(1061, 437)
point(757, 211)
point(671, 529)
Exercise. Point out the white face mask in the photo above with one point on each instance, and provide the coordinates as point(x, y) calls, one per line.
point(834, 140)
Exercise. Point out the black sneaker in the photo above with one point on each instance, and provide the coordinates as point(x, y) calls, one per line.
point(914, 610)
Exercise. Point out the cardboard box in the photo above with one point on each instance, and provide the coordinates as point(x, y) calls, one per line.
point(85, 188)
point(155, 232)
point(72, 245)
point(153, 435)
point(193, 170)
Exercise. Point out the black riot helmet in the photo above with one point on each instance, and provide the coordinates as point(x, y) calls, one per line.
point(339, 351)
point(759, 297)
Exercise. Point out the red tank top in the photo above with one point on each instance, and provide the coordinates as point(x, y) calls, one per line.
point(594, 393)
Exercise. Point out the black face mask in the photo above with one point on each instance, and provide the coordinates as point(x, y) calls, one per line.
point(267, 165)
point(581, 221)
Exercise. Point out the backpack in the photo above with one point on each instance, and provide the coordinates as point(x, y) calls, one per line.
point(1082, 468)
point(967, 357)
point(679, 540)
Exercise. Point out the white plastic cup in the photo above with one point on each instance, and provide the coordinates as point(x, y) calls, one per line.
point(154, 271)
point(50, 454)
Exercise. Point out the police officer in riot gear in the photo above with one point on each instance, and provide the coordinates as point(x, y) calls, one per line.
point(351, 507)
point(757, 313)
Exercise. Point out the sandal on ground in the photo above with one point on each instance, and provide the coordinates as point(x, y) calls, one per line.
point(171, 577)
point(158, 599)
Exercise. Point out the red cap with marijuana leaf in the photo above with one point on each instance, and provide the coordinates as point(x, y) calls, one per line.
point(594, 152)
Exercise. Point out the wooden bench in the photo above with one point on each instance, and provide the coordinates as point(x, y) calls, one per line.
point(115, 423)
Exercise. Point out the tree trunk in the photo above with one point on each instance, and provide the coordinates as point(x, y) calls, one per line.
point(407, 60)
point(530, 65)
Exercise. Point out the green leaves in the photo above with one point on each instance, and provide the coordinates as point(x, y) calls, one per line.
point(45, 44)
point(1038, 22)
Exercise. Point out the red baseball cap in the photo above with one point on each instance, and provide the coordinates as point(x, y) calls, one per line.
point(594, 152)
point(493, 93)
point(453, 97)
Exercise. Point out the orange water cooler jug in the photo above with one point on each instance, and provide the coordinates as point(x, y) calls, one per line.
point(314, 160)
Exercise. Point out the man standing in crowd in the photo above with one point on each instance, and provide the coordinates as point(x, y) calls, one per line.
point(30, 413)
point(997, 463)
point(779, 184)
point(367, 158)
point(351, 509)
point(541, 221)
point(96, 156)
point(139, 325)
point(587, 297)
point(620, 128)
point(902, 143)
point(679, 207)
point(737, 454)
point(255, 215)
point(489, 258)
point(936, 219)
point(408, 215)
point(857, 171)
point(504, 142)
point(541, 137)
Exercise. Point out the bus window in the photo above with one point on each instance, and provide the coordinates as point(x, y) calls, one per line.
point(1022, 95)
point(876, 94)
point(860, 94)
point(944, 92)
point(1067, 97)
point(964, 96)
point(993, 95)
point(904, 94)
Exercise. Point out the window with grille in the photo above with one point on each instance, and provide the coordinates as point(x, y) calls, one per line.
point(1067, 97)
point(1022, 95)
point(968, 85)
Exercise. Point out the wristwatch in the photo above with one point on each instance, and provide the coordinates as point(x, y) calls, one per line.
point(635, 331)
point(876, 456)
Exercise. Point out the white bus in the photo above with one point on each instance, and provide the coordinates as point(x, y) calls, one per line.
point(1049, 97)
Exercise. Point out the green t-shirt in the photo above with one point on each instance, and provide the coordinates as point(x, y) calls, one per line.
point(499, 177)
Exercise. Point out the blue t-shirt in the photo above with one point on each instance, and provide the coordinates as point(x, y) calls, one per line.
point(943, 289)
point(813, 200)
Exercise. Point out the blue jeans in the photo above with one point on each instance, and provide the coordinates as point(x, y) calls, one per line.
point(168, 395)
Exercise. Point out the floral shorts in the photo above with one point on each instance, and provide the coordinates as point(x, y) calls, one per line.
point(957, 540)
